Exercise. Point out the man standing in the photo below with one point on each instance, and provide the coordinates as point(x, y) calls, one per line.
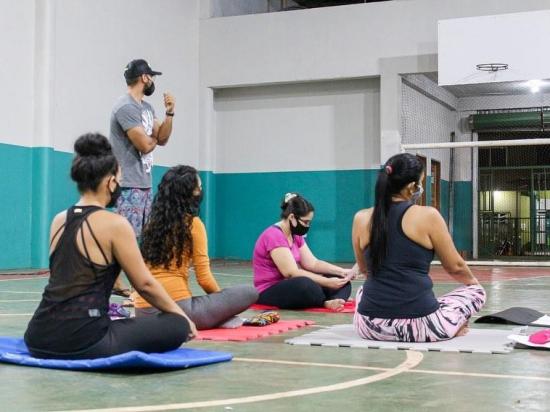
point(135, 132)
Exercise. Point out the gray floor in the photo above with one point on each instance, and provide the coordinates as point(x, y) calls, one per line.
point(270, 375)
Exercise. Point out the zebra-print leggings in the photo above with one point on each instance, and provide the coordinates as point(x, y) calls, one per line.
point(455, 308)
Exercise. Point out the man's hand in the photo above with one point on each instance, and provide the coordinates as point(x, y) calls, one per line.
point(169, 102)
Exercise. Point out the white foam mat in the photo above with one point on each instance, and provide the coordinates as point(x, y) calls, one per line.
point(489, 341)
point(524, 340)
point(542, 321)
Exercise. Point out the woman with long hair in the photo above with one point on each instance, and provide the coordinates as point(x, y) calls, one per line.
point(395, 242)
point(286, 273)
point(88, 247)
point(175, 239)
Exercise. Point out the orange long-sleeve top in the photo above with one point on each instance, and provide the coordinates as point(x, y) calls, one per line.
point(176, 280)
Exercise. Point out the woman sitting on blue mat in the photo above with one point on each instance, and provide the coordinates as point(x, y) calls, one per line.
point(175, 239)
point(88, 247)
point(286, 273)
point(395, 241)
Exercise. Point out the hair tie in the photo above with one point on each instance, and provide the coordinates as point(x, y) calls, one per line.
point(289, 196)
point(389, 170)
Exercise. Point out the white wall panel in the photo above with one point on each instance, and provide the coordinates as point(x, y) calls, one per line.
point(94, 42)
point(313, 126)
point(332, 42)
point(17, 71)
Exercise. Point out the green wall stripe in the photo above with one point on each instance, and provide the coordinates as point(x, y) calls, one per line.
point(15, 210)
point(444, 201)
point(53, 191)
point(237, 206)
point(462, 225)
point(249, 202)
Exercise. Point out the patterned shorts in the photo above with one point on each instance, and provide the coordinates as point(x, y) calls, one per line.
point(455, 308)
point(135, 205)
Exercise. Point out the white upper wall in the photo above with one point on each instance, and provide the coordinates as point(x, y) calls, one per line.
point(94, 40)
point(330, 43)
point(308, 126)
point(17, 71)
point(73, 77)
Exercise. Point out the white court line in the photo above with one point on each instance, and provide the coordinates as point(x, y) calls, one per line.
point(412, 360)
point(19, 300)
point(481, 375)
point(30, 278)
point(232, 275)
point(375, 368)
point(16, 314)
point(501, 263)
point(18, 292)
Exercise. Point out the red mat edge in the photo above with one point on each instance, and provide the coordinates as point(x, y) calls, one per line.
point(260, 335)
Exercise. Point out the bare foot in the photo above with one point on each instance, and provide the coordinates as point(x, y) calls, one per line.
point(463, 330)
point(335, 304)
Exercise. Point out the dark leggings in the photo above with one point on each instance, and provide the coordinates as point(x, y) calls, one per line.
point(159, 333)
point(301, 293)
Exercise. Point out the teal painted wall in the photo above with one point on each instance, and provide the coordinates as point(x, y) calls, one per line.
point(249, 202)
point(16, 208)
point(462, 225)
point(444, 201)
point(208, 210)
point(237, 207)
point(52, 192)
point(37, 185)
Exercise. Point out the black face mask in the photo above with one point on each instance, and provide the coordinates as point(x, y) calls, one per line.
point(299, 229)
point(149, 89)
point(115, 194)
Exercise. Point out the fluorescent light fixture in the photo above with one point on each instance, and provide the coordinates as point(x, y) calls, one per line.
point(534, 85)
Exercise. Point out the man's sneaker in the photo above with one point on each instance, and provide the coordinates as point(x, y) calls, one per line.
point(116, 311)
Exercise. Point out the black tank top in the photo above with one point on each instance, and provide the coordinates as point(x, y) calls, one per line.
point(400, 287)
point(72, 315)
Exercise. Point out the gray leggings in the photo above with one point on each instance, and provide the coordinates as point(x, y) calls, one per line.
point(210, 311)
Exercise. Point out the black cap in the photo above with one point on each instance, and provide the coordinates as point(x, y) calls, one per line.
point(138, 67)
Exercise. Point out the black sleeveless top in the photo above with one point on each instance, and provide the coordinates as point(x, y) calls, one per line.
point(72, 315)
point(401, 287)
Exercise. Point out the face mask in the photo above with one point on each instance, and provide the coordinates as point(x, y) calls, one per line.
point(299, 229)
point(416, 195)
point(149, 89)
point(115, 194)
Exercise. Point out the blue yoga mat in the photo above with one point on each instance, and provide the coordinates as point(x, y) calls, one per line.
point(14, 350)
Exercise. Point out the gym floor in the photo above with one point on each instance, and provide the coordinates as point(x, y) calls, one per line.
point(269, 375)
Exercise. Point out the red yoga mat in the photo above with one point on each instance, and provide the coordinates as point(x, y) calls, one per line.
point(245, 333)
point(349, 307)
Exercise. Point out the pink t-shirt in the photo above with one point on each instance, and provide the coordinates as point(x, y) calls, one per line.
point(266, 273)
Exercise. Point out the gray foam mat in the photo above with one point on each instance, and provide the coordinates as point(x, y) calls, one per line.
point(517, 316)
point(476, 341)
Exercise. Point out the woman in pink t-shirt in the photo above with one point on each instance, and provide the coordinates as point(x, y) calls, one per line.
point(286, 273)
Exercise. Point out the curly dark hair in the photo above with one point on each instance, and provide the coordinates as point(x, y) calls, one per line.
point(168, 232)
